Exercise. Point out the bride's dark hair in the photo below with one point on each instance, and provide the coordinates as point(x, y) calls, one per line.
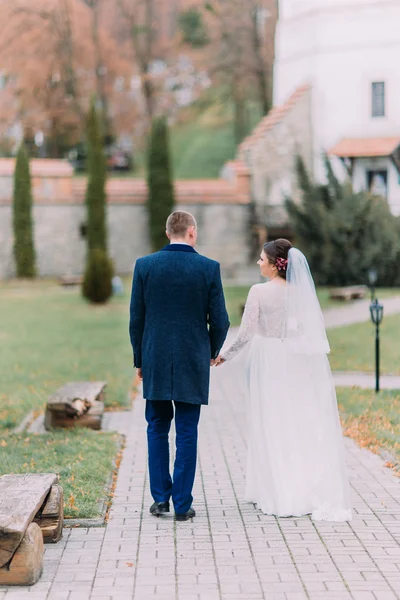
point(277, 254)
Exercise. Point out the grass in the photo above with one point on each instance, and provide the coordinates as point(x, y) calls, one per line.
point(83, 460)
point(49, 336)
point(203, 140)
point(353, 347)
point(372, 420)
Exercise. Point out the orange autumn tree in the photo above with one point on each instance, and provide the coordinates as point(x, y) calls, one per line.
point(49, 61)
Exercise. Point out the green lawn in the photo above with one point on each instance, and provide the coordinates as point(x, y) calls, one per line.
point(48, 336)
point(83, 460)
point(372, 420)
point(353, 347)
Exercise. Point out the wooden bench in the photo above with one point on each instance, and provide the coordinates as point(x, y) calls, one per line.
point(78, 404)
point(71, 280)
point(31, 512)
point(348, 293)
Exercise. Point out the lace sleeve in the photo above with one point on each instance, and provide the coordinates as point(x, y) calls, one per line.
point(248, 326)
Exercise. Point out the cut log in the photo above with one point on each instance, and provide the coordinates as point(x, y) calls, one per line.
point(90, 419)
point(51, 516)
point(75, 398)
point(21, 496)
point(27, 563)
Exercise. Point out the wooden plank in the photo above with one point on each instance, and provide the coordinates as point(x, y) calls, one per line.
point(27, 563)
point(54, 501)
point(90, 419)
point(51, 517)
point(75, 397)
point(21, 496)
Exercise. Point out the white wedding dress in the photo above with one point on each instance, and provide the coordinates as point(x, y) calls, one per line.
point(295, 458)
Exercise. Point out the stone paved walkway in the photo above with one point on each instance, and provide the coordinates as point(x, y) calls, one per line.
point(358, 312)
point(365, 380)
point(230, 551)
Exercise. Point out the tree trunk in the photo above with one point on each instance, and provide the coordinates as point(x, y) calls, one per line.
point(99, 71)
point(240, 115)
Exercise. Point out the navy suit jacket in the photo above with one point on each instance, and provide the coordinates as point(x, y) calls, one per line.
point(178, 322)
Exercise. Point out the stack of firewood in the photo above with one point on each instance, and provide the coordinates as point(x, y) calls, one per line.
point(31, 512)
point(79, 404)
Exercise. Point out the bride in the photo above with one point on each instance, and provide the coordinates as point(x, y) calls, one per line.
point(295, 457)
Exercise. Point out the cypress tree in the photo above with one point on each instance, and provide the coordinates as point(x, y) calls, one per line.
point(96, 188)
point(160, 200)
point(24, 251)
point(97, 283)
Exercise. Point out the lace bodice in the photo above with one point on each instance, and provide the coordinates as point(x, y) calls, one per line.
point(264, 314)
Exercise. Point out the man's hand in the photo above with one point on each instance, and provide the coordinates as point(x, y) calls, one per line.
point(212, 362)
point(139, 374)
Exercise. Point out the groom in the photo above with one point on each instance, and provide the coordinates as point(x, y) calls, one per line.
point(178, 323)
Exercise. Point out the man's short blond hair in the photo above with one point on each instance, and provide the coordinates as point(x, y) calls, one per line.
point(179, 222)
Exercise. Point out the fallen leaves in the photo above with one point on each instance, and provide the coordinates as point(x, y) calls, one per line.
point(372, 422)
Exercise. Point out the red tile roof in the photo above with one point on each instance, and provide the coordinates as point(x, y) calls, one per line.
point(275, 116)
point(40, 167)
point(365, 147)
point(190, 191)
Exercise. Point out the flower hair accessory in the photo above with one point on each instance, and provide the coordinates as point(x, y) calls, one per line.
point(281, 263)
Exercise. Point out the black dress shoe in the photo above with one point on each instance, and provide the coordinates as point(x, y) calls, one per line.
point(158, 508)
point(186, 516)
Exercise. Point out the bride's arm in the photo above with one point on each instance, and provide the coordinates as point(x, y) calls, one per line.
point(248, 326)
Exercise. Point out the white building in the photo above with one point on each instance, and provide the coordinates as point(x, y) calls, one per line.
point(348, 51)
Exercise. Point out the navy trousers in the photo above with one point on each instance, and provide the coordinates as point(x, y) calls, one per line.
point(159, 415)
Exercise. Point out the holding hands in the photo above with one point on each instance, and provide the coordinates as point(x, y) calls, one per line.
point(218, 361)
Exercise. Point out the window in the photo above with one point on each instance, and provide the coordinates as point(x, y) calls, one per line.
point(378, 99)
point(377, 182)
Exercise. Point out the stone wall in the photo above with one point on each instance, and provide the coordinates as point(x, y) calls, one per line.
point(220, 207)
point(270, 152)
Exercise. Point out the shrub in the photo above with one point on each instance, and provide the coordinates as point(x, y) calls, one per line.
point(97, 283)
point(342, 232)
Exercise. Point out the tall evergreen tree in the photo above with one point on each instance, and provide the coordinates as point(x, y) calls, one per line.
point(160, 200)
point(97, 284)
point(24, 250)
point(96, 188)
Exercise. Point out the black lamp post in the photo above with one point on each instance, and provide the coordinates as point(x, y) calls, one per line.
point(372, 277)
point(376, 311)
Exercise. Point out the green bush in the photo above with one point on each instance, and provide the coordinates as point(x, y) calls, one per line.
point(342, 232)
point(24, 251)
point(160, 199)
point(97, 283)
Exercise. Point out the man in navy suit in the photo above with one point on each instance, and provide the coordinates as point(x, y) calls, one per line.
point(178, 323)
